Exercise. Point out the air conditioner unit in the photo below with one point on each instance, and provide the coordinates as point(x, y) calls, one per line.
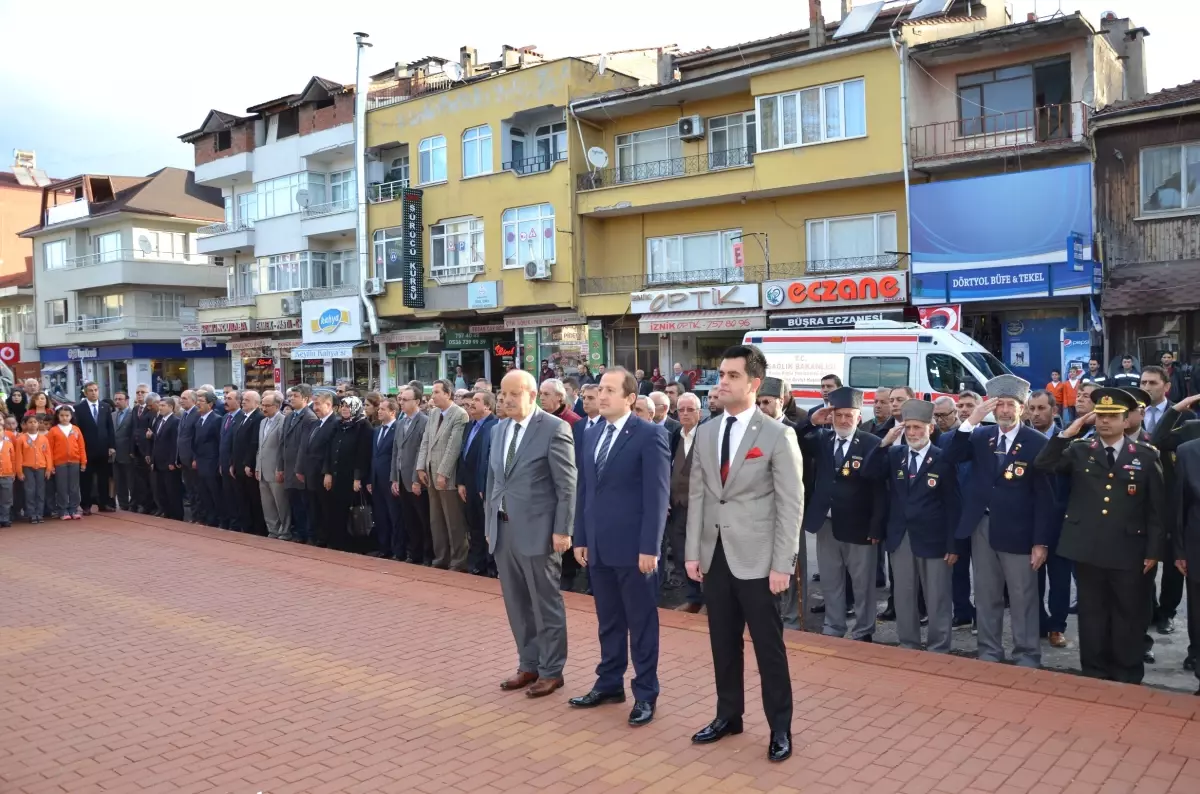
point(691, 128)
point(291, 305)
point(375, 286)
point(537, 270)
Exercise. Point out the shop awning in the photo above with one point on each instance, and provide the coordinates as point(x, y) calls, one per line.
point(51, 369)
point(1150, 287)
point(701, 322)
point(320, 352)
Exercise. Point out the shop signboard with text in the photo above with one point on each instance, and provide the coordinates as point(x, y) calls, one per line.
point(412, 254)
point(1076, 350)
point(836, 320)
point(701, 323)
point(697, 299)
point(1019, 235)
point(332, 320)
point(862, 289)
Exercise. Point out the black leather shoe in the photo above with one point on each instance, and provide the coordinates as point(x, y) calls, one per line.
point(819, 609)
point(888, 614)
point(643, 712)
point(716, 730)
point(1165, 626)
point(1190, 663)
point(596, 698)
point(867, 638)
point(1148, 657)
point(780, 748)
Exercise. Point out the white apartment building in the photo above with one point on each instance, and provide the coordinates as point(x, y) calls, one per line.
point(286, 173)
point(117, 272)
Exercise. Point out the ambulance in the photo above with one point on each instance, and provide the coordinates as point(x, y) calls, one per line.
point(874, 353)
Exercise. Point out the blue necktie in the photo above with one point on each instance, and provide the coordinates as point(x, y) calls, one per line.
point(602, 455)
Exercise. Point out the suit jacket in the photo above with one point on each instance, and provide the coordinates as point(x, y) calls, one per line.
point(229, 427)
point(473, 460)
point(622, 512)
point(539, 490)
point(297, 427)
point(206, 444)
point(1186, 538)
point(143, 447)
point(757, 512)
point(1018, 497)
point(123, 422)
point(270, 447)
point(441, 444)
point(166, 443)
point(673, 429)
point(856, 505)
point(98, 433)
point(187, 437)
point(313, 448)
point(383, 447)
point(245, 443)
point(407, 449)
point(925, 506)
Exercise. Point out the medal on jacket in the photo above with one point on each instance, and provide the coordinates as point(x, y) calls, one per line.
point(1132, 489)
point(846, 470)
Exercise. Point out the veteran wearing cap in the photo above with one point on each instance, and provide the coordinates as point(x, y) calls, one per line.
point(1008, 513)
point(1137, 414)
point(923, 500)
point(1113, 530)
point(846, 510)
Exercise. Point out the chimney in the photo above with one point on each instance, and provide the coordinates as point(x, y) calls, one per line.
point(666, 67)
point(511, 57)
point(816, 25)
point(847, 6)
point(467, 58)
point(1129, 43)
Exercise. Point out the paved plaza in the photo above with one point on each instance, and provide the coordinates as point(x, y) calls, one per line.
point(143, 655)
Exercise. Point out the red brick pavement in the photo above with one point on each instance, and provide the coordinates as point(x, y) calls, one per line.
point(143, 655)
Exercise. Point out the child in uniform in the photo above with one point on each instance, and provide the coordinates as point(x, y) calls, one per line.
point(34, 467)
point(8, 473)
point(68, 457)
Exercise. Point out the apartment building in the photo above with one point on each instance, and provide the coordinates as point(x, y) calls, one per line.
point(20, 203)
point(286, 175)
point(1000, 207)
point(116, 271)
point(475, 163)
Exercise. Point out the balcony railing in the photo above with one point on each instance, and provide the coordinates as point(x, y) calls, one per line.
point(729, 275)
point(388, 191)
point(340, 291)
point(122, 322)
point(225, 227)
point(328, 208)
point(407, 88)
point(1041, 126)
point(666, 169)
point(226, 303)
point(134, 254)
point(535, 165)
point(456, 274)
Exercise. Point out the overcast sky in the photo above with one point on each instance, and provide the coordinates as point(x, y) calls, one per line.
point(109, 87)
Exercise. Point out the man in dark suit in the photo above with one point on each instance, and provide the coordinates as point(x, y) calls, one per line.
point(206, 448)
point(385, 505)
point(1186, 538)
point(1114, 532)
point(143, 440)
point(186, 451)
point(123, 458)
point(623, 495)
point(245, 460)
point(296, 427)
point(472, 475)
point(924, 508)
point(662, 408)
point(313, 448)
point(94, 420)
point(230, 498)
point(1009, 515)
point(846, 510)
point(414, 503)
point(143, 417)
point(688, 407)
point(165, 460)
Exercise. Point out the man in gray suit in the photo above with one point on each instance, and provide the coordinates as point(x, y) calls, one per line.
point(297, 427)
point(185, 450)
point(437, 470)
point(745, 505)
point(123, 440)
point(414, 502)
point(529, 517)
point(269, 469)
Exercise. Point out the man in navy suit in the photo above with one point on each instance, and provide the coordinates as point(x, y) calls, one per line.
point(230, 496)
point(472, 476)
point(1009, 515)
point(924, 506)
point(389, 529)
point(846, 510)
point(165, 460)
point(94, 420)
point(621, 512)
point(206, 446)
point(186, 449)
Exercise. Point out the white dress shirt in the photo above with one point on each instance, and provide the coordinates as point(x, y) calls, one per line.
point(687, 437)
point(592, 422)
point(735, 434)
point(508, 433)
point(920, 453)
point(1010, 437)
point(619, 425)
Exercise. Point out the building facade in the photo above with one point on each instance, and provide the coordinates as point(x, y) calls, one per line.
point(116, 270)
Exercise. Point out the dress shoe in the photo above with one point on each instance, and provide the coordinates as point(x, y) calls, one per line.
point(376, 554)
point(816, 577)
point(519, 681)
point(689, 607)
point(108, 510)
point(1165, 626)
point(1189, 663)
point(716, 730)
point(543, 687)
point(819, 609)
point(888, 614)
point(1148, 657)
point(87, 511)
point(643, 712)
point(780, 748)
point(867, 638)
point(1057, 640)
point(597, 698)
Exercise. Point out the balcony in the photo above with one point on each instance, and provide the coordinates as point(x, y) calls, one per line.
point(227, 303)
point(135, 266)
point(340, 291)
point(408, 88)
point(67, 212)
point(535, 165)
point(328, 220)
point(388, 191)
point(223, 239)
point(457, 274)
point(751, 274)
point(665, 169)
point(1046, 128)
point(224, 171)
point(107, 329)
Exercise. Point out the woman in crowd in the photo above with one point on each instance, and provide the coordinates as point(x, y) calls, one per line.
point(460, 378)
point(16, 403)
point(39, 406)
point(371, 407)
point(347, 466)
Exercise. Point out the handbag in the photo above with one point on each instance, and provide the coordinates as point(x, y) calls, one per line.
point(360, 517)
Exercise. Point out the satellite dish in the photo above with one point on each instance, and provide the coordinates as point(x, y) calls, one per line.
point(597, 157)
point(454, 71)
point(602, 66)
point(302, 198)
point(144, 244)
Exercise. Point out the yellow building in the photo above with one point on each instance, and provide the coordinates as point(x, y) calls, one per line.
point(471, 173)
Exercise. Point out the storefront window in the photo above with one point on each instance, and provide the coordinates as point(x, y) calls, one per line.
point(356, 370)
point(260, 373)
point(564, 346)
point(408, 368)
point(707, 357)
point(310, 372)
point(170, 376)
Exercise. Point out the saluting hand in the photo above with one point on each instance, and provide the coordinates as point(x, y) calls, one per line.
point(980, 414)
point(821, 416)
point(1078, 425)
point(892, 435)
point(1187, 402)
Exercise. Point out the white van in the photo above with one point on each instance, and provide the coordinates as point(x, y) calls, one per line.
point(874, 353)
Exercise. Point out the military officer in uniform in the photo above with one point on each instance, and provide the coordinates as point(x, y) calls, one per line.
point(1113, 530)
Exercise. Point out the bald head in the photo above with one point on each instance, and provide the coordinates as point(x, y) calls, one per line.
point(518, 391)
